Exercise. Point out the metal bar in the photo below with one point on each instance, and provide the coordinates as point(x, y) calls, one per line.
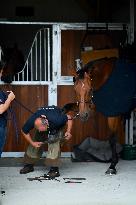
point(44, 40)
point(48, 44)
point(28, 83)
point(131, 129)
point(31, 65)
point(67, 25)
point(23, 75)
point(27, 71)
point(82, 26)
point(18, 75)
point(40, 57)
point(56, 58)
point(126, 132)
point(36, 59)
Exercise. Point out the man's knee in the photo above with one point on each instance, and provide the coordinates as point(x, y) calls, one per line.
point(54, 150)
point(29, 159)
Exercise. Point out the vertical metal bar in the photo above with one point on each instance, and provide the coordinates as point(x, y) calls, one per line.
point(56, 58)
point(44, 54)
point(27, 70)
point(49, 52)
point(36, 58)
point(31, 65)
point(23, 75)
point(131, 129)
point(18, 76)
point(40, 57)
point(126, 131)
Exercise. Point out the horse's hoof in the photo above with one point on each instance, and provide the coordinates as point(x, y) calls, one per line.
point(111, 171)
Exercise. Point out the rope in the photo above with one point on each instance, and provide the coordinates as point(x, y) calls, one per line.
point(13, 116)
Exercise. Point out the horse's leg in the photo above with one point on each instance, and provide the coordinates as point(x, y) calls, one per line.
point(113, 123)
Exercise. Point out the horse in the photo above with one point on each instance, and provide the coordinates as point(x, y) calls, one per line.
point(12, 61)
point(107, 85)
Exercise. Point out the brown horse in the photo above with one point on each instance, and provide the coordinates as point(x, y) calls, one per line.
point(109, 86)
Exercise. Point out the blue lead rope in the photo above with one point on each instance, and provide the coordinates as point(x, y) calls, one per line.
point(13, 117)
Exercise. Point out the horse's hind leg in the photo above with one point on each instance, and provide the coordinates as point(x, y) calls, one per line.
point(112, 169)
point(113, 123)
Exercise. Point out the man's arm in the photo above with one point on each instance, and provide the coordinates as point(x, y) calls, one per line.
point(6, 104)
point(28, 126)
point(68, 134)
point(30, 141)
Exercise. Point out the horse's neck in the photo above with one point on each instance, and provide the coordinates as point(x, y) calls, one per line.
point(101, 73)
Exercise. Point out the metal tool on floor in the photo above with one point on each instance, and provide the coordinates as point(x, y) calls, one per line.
point(68, 180)
point(42, 178)
point(74, 180)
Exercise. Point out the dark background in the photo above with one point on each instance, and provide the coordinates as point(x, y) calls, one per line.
point(116, 11)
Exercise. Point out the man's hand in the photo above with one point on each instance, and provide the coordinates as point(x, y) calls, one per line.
point(5, 106)
point(68, 135)
point(11, 95)
point(37, 144)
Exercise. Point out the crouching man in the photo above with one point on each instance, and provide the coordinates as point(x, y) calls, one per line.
point(49, 125)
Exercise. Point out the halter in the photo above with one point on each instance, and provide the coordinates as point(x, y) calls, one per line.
point(91, 96)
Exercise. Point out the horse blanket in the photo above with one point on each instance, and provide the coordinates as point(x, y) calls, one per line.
point(118, 95)
point(92, 149)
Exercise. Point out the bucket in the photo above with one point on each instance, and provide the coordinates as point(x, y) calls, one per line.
point(129, 152)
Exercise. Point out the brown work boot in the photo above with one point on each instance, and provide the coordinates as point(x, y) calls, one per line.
point(54, 172)
point(27, 168)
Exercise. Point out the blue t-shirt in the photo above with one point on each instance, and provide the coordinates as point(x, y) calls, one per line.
point(54, 115)
point(3, 116)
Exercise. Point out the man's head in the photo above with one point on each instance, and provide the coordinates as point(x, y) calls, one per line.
point(41, 124)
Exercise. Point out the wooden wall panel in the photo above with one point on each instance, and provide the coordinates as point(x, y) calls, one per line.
point(71, 45)
point(71, 41)
point(30, 96)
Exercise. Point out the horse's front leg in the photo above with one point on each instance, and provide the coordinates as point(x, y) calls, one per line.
point(112, 168)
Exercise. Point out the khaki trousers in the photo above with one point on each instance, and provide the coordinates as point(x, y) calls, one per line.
point(32, 154)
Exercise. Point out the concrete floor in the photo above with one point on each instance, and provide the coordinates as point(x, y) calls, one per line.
point(97, 189)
